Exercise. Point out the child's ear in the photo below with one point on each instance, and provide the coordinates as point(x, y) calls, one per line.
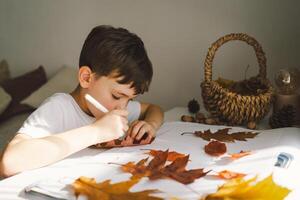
point(85, 76)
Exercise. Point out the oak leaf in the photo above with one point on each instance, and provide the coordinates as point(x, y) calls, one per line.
point(107, 191)
point(222, 135)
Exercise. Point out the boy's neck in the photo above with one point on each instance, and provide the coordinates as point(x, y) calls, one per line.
point(78, 96)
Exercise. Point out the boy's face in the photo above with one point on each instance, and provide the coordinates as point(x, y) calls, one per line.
point(109, 93)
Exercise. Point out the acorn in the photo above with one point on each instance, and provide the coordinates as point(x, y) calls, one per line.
point(200, 116)
point(210, 121)
point(251, 125)
point(187, 118)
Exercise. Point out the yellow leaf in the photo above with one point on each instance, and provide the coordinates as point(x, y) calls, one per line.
point(107, 191)
point(240, 189)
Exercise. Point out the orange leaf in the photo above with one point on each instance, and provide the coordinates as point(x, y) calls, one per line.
point(226, 174)
point(235, 156)
point(172, 155)
point(157, 169)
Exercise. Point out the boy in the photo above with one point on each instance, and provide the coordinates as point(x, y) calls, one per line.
point(113, 68)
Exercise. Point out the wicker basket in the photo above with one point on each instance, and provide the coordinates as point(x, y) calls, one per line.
point(232, 106)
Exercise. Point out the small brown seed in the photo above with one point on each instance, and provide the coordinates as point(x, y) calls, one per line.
point(251, 125)
point(210, 121)
point(187, 118)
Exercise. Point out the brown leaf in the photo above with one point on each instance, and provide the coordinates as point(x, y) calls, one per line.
point(127, 141)
point(215, 148)
point(226, 174)
point(156, 169)
point(235, 156)
point(107, 191)
point(172, 155)
point(222, 135)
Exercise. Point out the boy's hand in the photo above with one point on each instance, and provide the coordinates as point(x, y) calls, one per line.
point(141, 129)
point(112, 125)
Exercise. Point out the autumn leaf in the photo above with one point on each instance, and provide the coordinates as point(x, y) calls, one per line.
point(235, 156)
point(222, 135)
point(126, 142)
point(107, 191)
point(240, 189)
point(215, 148)
point(157, 169)
point(172, 155)
point(226, 174)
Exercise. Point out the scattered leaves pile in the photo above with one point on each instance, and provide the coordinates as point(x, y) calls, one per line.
point(157, 169)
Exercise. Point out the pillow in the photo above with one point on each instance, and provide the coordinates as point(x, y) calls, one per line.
point(65, 80)
point(4, 100)
point(19, 88)
point(4, 71)
point(22, 86)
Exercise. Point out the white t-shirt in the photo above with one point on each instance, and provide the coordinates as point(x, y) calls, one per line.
point(60, 113)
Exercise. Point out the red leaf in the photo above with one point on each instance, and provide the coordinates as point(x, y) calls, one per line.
point(215, 148)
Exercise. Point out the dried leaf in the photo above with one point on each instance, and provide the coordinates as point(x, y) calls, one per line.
point(226, 174)
point(240, 189)
point(157, 169)
point(172, 155)
point(107, 191)
point(215, 148)
point(235, 156)
point(127, 141)
point(222, 135)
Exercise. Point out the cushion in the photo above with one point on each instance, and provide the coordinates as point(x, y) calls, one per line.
point(4, 71)
point(22, 86)
point(19, 88)
point(65, 80)
point(4, 100)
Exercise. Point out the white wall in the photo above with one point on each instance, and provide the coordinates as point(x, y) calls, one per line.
point(177, 34)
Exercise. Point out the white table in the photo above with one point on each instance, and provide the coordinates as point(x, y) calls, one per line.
point(93, 163)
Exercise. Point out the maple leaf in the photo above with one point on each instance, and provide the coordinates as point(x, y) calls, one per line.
point(222, 135)
point(241, 189)
point(157, 169)
point(172, 155)
point(235, 156)
point(107, 191)
point(127, 141)
point(215, 148)
point(226, 174)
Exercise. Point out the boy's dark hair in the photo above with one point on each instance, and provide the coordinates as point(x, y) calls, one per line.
point(108, 49)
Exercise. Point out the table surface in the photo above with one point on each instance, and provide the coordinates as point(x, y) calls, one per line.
point(94, 163)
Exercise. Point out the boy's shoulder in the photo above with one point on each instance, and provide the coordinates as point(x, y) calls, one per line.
point(58, 98)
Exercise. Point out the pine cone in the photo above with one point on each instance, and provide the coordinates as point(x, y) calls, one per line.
point(193, 106)
point(252, 86)
point(285, 117)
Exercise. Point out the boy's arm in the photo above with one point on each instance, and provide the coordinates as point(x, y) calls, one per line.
point(151, 118)
point(24, 153)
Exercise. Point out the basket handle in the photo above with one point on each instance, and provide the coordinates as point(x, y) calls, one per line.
point(234, 36)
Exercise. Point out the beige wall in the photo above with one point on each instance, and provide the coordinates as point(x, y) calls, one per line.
point(177, 34)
